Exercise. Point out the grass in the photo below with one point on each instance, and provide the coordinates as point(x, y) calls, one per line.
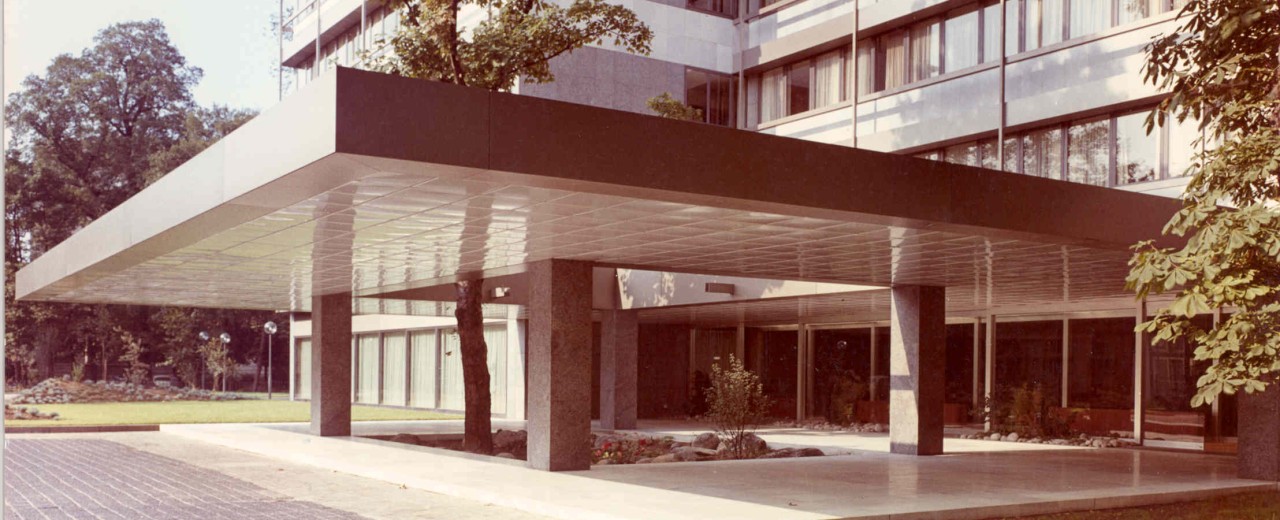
point(181, 412)
point(1244, 506)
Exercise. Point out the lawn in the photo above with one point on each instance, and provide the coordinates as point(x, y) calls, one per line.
point(1245, 506)
point(178, 412)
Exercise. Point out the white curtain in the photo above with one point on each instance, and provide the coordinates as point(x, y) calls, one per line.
point(303, 390)
point(962, 41)
point(827, 87)
point(773, 86)
point(367, 377)
point(866, 67)
point(424, 369)
point(895, 59)
point(1089, 16)
point(1044, 23)
point(393, 366)
point(925, 47)
point(495, 338)
point(451, 386)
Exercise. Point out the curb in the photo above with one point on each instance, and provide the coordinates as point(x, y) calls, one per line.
point(83, 429)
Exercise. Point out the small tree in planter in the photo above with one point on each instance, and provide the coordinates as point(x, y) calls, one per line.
point(736, 404)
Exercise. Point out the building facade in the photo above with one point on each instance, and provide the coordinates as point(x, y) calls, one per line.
point(1044, 88)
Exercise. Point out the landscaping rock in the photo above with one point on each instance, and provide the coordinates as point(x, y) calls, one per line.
point(754, 443)
point(707, 440)
point(405, 438)
point(670, 457)
point(505, 455)
point(994, 437)
point(1013, 437)
point(685, 453)
point(605, 462)
point(783, 453)
point(645, 460)
point(809, 452)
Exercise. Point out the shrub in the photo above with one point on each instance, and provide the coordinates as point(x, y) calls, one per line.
point(736, 404)
point(1025, 410)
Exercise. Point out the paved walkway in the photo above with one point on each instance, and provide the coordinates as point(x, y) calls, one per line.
point(992, 479)
point(155, 475)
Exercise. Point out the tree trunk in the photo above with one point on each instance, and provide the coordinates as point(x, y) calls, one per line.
point(477, 436)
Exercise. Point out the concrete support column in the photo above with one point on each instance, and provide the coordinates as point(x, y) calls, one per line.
point(1259, 435)
point(331, 365)
point(917, 361)
point(1141, 341)
point(559, 420)
point(989, 366)
point(619, 340)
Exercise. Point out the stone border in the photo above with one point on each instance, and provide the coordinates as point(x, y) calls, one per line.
point(83, 429)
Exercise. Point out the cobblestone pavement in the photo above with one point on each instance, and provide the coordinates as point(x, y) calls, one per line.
point(93, 478)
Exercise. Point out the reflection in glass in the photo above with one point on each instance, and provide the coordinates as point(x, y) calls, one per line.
point(798, 88)
point(772, 355)
point(1137, 152)
point(1089, 17)
point(991, 33)
point(841, 373)
point(1042, 153)
point(1183, 145)
point(963, 153)
point(1100, 370)
point(1029, 354)
point(1087, 152)
point(961, 41)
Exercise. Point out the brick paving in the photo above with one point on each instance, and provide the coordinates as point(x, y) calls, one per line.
point(51, 479)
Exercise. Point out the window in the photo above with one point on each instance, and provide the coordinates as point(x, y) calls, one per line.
point(1134, 10)
point(926, 60)
point(367, 363)
point(1042, 153)
point(1044, 23)
point(987, 154)
point(828, 79)
point(961, 41)
point(423, 357)
point(893, 59)
point(1182, 145)
point(1137, 152)
point(773, 87)
point(991, 33)
point(1011, 33)
point(1010, 161)
point(711, 93)
point(393, 368)
point(964, 153)
point(722, 7)
point(1088, 152)
point(867, 68)
point(1089, 17)
point(303, 388)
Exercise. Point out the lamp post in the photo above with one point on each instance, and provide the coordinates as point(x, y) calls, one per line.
point(226, 339)
point(270, 328)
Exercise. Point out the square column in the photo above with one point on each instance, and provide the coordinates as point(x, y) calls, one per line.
point(619, 337)
point(331, 365)
point(917, 361)
point(559, 366)
point(1259, 435)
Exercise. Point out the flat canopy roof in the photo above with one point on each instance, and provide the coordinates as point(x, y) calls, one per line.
point(372, 184)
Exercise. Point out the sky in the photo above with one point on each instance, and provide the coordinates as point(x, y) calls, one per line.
point(230, 40)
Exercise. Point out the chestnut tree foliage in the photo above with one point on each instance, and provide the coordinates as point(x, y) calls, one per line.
point(516, 39)
point(1222, 69)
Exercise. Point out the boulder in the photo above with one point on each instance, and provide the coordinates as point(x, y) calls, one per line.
point(669, 457)
point(783, 453)
point(754, 443)
point(707, 440)
point(605, 462)
point(644, 460)
point(685, 453)
point(503, 439)
point(809, 452)
point(994, 437)
point(505, 455)
point(1013, 437)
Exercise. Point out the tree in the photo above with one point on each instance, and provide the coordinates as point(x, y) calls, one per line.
point(1222, 69)
point(518, 39)
point(669, 107)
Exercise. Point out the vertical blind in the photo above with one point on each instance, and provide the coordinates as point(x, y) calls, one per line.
point(367, 375)
point(393, 366)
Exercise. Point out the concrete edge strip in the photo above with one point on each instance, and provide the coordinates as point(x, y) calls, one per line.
point(555, 495)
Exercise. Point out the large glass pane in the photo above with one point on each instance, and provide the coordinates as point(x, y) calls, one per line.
point(1044, 23)
point(1182, 145)
point(798, 88)
point(303, 388)
point(695, 90)
point(1029, 355)
point(393, 367)
point(1137, 152)
point(988, 154)
point(1173, 373)
point(1088, 152)
point(367, 375)
point(423, 380)
point(962, 41)
point(991, 33)
point(773, 90)
point(963, 153)
point(1134, 10)
point(827, 76)
point(495, 339)
point(1042, 153)
point(1089, 17)
point(720, 107)
point(841, 372)
point(925, 50)
point(1011, 163)
point(959, 374)
point(1100, 375)
point(451, 385)
point(777, 351)
point(866, 68)
point(1011, 43)
point(893, 63)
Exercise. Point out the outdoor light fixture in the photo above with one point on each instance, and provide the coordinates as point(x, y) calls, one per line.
point(501, 292)
point(720, 288)
point(270, 328)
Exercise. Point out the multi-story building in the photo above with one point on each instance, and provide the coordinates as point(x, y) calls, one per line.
point(1046, 88)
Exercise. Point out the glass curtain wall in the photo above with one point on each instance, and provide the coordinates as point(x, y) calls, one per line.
point(1173, 372)
point(1089, 151)
point(841, 373)
point(394, 360)
point(1042, 153)
point(773, 88)
point(1089, 17)
point(1100, 375)
point(425, 371)
point(772, 355)
point(495, 338)
point(451, 386)
point(1137, 152)
point(1029, 356)
point(962, 44)
point(367, 365)
point(959, 374)
point(926, 45)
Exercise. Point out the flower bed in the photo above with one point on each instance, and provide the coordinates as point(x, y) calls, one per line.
point(58, 391)
point(26, 413)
